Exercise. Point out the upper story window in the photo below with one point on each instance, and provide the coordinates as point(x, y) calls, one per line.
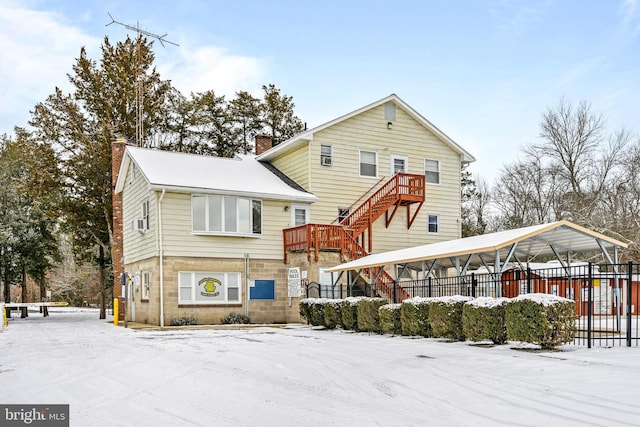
point(368, 163)
point(433, 225)
point(325, 155)
point(218, 214)
point(432, 171)
point(141, 223)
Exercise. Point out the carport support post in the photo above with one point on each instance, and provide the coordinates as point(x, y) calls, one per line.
point(497, 271)
point(589, 300)
point(629, 301)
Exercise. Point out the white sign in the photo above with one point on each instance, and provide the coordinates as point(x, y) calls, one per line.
point(294, 282)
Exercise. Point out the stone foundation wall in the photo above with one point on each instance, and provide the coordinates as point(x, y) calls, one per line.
point(280, 310)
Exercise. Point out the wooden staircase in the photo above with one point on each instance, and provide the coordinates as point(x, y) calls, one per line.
point(350, 234)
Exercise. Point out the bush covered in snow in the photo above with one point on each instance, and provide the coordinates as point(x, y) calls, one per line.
point(546, 320)
point(312, 309)
point(483, 319)
point(368, 317)
point(235, 318)
point(414, 317)
point(390, 319)
point(332, 316)
point(445, 316)
point(349, 313)
point(183, 321)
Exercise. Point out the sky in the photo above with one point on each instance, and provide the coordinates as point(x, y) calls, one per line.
point(483, 71)
point(302, 376)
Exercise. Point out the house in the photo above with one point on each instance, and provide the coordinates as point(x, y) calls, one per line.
point(203, 237)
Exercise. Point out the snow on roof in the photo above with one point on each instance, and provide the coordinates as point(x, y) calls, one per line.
point(530, 241)
point(241, 175)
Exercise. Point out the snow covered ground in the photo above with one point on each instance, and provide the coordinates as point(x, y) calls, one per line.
point(299, 376)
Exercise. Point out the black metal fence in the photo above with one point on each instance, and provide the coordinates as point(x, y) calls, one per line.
point(607, 296)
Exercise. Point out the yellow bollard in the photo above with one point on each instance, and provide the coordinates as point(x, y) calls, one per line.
point(5, 323)
point(115, 312)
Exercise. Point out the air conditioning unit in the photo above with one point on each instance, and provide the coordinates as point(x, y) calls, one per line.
point(139, 225)
point(325, 161)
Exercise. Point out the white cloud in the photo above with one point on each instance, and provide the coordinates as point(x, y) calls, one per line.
point(213, 68)
point(38, 50)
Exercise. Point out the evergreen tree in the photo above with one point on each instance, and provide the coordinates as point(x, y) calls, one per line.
point(278, 116)
point(81, 126)
point(245, 112)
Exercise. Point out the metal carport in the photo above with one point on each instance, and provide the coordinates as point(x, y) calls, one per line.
point(519, 246)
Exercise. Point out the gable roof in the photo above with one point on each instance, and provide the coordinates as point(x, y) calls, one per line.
point(306, 136)
point(179, 172)
point(536, 240)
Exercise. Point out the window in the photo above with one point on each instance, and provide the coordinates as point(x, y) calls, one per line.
point(368, 163)
point(398, 164)
point(432, 171)
point(226, 214)
point(141, 223)
point(145, 285)
point(299, 215)
point(325, 155)
point(343, 213)
point(433, 223)
point(145, 214)
point(208, 287)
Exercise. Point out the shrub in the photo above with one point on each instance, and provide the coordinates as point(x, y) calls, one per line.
point(183, 321)
point(305, 308)
point(312, 309)
point(332, 317)
point(546, 320)
point(445, 316)
point(390, 319)
point(368, 317)
point(483, 319)
point(414, 317)
point(235, 319)
point(349, 313)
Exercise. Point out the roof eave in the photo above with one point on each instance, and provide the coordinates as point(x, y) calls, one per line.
point(263, 196)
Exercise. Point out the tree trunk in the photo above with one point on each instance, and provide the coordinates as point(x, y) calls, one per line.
point(103, 292)
point(43, 298)
point(23, 299)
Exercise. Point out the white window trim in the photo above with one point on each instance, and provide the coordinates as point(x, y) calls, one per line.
point(360, 163)
point(293, 214)
point(399, 157)
point(227, 233)
point(330, 156)
point(437, 223)
point(439, 172)
point(193, 286)
point(144, 279)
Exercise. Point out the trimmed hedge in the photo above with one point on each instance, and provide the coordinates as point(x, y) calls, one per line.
point(414, 317)
point(390, 319)
point(368, 317)
point(332, 316)
point(546, 320)
point(349, 313)
point(484, 319)
point(312, 309)
point(445, 317)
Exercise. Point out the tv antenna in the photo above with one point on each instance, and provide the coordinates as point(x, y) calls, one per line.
point(139, 77)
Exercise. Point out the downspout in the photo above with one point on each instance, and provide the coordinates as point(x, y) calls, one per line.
point(246, 281)
point(161, 257)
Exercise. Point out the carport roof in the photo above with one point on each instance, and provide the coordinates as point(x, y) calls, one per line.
point(524, 243)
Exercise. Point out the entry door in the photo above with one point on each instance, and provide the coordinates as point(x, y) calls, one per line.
point(299, 215)
point(399, 164)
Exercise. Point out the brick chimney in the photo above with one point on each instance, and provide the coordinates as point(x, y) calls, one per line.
point(263, 143)
point(117, 152)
